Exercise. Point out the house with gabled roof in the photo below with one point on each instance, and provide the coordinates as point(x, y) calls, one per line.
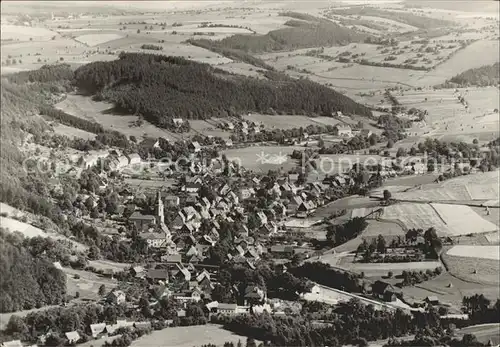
point(97, 329)
point(194, 147)
point(262, 218)
point(142, 221)
point(156, 275)
point(72, 337)
point(116, 297)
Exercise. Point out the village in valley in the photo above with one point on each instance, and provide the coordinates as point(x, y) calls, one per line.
point(166, 186)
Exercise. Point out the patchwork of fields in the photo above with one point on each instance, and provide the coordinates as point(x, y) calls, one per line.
point(448, 220)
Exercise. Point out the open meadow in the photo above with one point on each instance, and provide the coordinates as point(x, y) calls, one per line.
point(188, 337)
point(30, 231)
point(263, 158)
point(380, 270)
point(473, 263)
point(86, 283)
point(447, 219)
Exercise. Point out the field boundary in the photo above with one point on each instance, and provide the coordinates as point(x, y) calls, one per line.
point(439, 215)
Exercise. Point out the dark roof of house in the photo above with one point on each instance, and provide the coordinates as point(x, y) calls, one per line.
point(157, 273)
point(140, 216)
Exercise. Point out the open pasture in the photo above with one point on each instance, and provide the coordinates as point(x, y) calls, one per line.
point(71, 132)
point(390, 230)
point(379, 270)
point(25, 33)
point(484, 333)
point(449, 220)
point(188, 337)
point(450, 289)
point(263, 158)
point(477, 54)
point(97, 39)
point(280, 121)
point(481, 252)
point(87, 284)
point(474, 263)
point(101, 112)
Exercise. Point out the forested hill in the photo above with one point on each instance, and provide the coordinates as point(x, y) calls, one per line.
point(161, 88)
point(483, 76)
point(304, 31)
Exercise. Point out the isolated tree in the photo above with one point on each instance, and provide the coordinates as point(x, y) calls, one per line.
point(475, 141)
point(381, 244)
point(102, 290)
point(387, 195)
point(138, 31)
point(390, 143)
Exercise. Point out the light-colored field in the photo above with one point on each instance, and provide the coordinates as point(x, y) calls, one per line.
point(71, 132)
point(31, 231)
point(263, 158)
point(469, 264)
point(188, 337)
point(24, 33)
point(87, 285)
point(106, 264)
point(150, 184)
point(382, 269)
point(440, 287)
point(481, 252)
point(97, 39)
point(280, 122)
point(446, 219)
point(478, 186)
point(477, 54)
point(484, 332)
point(84, 107)
point(462, 219)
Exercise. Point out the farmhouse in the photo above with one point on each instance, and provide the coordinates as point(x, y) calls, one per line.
point(385, 291)
point(156, 240)
point(133, 159)
point(194, 147)
point(116, 297)
point(142, 221)
point(343, 130)
point(72, 337)
point(97, 329)
point(178, 122)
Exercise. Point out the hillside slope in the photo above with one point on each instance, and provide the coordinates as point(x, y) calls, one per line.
point(303, 32)
point(161, 88)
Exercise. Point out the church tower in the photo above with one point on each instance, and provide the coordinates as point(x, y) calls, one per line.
point(159, 210)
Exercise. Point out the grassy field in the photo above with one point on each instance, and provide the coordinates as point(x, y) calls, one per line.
point(450, 289)
point(480, 252)
point(263, 158)
point(188, 337)
point(87, 284)
point(97, 39)
point(71, 132)
point(447, 219)
point(473, 269)
point(379, 270)
point(30, 231)
point(484, 332)
point(101, 112)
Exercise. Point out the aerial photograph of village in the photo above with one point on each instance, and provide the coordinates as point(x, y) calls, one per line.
point(247, 173)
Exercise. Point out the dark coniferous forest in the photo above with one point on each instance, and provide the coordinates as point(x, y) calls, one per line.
point(161, 88)
point(28, 280)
